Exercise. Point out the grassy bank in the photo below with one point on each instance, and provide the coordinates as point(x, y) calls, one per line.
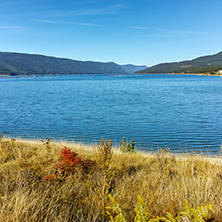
point(40, 181)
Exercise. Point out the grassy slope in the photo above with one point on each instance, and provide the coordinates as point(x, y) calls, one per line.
point(163, 180)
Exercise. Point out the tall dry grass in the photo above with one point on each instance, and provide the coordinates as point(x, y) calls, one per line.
point(163, 180)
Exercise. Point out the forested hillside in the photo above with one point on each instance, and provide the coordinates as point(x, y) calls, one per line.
point(205, 64)
point(29, 64)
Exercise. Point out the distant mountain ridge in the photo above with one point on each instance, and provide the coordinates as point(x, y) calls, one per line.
point(31, 64)
point(133, 68)
point(204, 64)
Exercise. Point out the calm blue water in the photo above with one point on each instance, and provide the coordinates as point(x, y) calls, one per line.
point(177, 111)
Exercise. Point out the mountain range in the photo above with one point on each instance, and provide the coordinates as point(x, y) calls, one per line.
point(132, 68)
point(30, 64)
point(204, 64)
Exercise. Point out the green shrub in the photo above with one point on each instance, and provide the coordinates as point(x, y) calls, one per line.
point(119, 215)
point(126, 147)
point(142, 214)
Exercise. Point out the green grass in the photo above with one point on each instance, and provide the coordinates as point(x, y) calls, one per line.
point(163, 181)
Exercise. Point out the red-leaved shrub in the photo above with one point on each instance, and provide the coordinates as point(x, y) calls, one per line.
point(69, 163)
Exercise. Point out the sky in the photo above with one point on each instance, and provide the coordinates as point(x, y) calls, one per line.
point(140, 32)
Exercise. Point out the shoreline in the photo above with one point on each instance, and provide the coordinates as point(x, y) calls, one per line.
point(34, 75)
point(79, 147)
point(197, 74)
point(178, 150)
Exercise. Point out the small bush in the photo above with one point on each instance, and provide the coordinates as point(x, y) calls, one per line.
point(47, 143)
point(126, 147)
point(104, 157)
point(104, 154)
point(70, 162)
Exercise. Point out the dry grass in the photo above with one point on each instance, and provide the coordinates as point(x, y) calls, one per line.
point(163, 180)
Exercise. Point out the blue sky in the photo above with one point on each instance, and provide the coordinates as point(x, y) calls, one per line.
point(137, 32)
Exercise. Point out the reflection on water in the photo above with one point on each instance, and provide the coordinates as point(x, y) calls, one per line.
point(177, 111)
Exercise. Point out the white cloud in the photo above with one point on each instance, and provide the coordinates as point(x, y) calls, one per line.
point(85, 24)
point(159, 31)
point(143, 28)
point(112, 9)
point(66, 22)
point(13, 28)
point(47, 21)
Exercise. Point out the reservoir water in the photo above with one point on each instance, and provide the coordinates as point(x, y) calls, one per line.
point(182, 112)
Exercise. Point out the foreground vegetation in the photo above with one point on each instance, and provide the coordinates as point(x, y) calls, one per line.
point(45, 181)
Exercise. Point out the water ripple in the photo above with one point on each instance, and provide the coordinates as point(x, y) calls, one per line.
point(176, 111)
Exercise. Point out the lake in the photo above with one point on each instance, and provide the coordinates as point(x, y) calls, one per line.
point(182, 112)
